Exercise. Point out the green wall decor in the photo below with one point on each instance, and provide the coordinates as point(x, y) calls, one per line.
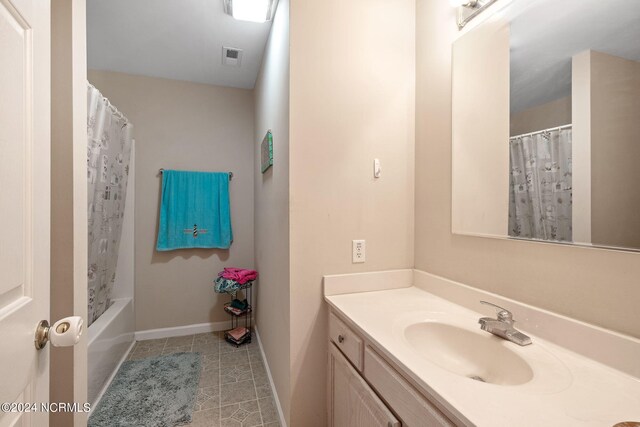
point(266, 149)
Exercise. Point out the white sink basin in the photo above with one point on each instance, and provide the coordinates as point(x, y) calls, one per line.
point(479, 356)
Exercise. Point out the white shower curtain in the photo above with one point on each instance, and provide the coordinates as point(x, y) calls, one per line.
point(540, 185)
point(108, 152)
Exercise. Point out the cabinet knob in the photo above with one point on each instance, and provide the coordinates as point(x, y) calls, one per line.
point(340, 339)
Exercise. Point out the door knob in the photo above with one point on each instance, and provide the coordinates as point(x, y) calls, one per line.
point(64, 333)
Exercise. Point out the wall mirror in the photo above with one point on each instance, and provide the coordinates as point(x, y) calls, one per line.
point(546, 123)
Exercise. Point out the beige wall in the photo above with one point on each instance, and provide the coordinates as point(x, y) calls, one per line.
point(188, 126)
point(68, 367)
point(593, 285)
point(271, 202)
point(545, 116)
point(352, 100)
point(615, 151)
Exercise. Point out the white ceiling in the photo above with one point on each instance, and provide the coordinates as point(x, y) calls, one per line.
point(175, 39)
point(545, 34)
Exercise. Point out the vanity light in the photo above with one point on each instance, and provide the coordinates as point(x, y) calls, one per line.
point(251, 10)
point(465, 3)
point(469, 9)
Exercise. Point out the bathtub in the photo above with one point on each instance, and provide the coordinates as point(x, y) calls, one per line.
point(110, 339)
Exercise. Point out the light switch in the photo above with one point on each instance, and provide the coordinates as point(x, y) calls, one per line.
point(376, 168)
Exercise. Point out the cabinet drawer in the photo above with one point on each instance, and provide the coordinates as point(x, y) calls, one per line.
point(413, 409)
point(346, 340)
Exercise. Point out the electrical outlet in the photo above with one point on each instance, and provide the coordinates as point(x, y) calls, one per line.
point(358, 251)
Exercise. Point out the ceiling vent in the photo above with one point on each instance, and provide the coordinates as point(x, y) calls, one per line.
point(231, 56)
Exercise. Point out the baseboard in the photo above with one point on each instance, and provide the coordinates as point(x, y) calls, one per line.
point(273, 386)
point(112, 376)
point(178, 331)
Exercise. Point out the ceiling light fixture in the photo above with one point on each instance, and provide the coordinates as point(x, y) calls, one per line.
point(465, 3)
point(251, 10)
point(469, 9)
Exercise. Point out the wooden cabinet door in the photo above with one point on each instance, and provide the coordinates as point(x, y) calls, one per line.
point(351, 401)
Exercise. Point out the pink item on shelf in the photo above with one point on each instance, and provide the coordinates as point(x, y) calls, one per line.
point(236, 311)
point(238, 333)
point(240, 275)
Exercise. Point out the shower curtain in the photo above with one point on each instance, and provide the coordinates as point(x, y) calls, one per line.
point(540, 185)
point(108, 152)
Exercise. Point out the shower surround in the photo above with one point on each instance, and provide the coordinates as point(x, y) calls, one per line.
point(108, 155)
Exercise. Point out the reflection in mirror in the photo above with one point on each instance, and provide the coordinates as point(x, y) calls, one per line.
point(574, 121)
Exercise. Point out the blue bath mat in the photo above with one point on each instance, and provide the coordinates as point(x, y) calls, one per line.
point(154, 392)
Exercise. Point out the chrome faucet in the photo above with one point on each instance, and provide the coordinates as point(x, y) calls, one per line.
point(503, 326)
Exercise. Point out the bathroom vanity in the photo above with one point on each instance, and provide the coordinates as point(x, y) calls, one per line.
point(405, 349)
point(354, 363)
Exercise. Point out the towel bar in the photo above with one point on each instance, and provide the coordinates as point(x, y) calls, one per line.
point(230, 173)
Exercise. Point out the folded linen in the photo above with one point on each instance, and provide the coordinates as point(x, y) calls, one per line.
point(240, 305)
point(222, 285)
point(240, 275)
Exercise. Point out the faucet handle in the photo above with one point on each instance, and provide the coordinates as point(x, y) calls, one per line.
point(504, 315)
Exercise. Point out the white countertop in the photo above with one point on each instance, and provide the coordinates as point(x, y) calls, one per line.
point(568, 389)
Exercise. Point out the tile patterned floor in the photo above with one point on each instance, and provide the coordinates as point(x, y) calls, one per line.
point(234, 389)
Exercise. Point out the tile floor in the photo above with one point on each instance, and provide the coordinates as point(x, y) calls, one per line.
point(234, 388)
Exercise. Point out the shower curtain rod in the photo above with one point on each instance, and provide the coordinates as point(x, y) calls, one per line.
point(230, 173)
point(542, 131)
point(112, 107)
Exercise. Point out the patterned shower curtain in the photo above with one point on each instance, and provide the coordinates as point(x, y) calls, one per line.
point(540, 186)
point(108, 153)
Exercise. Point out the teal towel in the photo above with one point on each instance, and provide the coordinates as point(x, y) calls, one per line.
point(194, 211)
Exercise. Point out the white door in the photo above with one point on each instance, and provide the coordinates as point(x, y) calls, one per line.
point(24, 204)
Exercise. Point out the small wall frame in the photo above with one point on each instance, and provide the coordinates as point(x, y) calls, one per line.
point(266, 150)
